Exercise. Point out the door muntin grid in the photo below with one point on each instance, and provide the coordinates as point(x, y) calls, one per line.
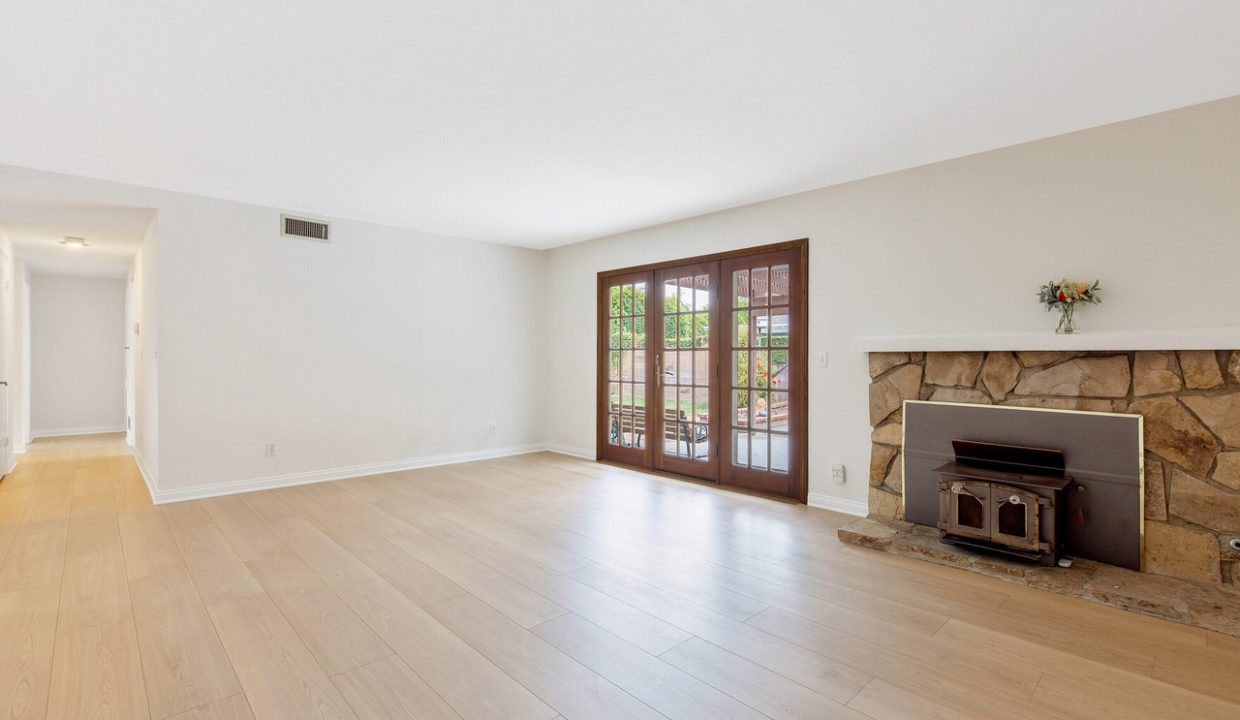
point(686, 368)
point(759, 411)
point(626, 365)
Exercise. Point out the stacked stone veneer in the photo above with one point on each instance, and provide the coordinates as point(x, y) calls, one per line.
point(1190, 402)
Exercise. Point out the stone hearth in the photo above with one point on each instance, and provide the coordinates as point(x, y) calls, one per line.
point(1190, 401)
point(1205, 605)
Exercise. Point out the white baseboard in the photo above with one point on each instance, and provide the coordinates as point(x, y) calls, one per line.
point(12, 466)
point(819, 500)
point(342, 473)
point(147, 477)
point(840, 505)
point(65, 432)
point(577, 452)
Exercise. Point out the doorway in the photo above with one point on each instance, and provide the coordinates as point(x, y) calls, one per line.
point(702, 368)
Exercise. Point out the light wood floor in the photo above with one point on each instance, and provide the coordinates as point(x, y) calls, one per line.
point(532, 588)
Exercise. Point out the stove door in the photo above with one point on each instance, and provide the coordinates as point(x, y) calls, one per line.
point(968, 509)
point(1016, 515)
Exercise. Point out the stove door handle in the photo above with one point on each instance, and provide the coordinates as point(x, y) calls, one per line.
point(959, 489)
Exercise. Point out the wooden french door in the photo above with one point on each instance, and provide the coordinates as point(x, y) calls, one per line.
point(764, 374)
point(687, 371)
point(702, 368)
point(625, 368)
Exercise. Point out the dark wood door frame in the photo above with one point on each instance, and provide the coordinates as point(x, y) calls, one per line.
point(644, 457)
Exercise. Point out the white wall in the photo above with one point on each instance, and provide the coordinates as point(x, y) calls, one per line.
point(1150, 206)
point(77, 357)
point(382, 346)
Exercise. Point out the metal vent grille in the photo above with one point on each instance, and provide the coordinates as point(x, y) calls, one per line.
point(304, 228)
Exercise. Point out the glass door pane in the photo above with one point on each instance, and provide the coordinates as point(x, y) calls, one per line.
point(763, 437)
point(686, 370)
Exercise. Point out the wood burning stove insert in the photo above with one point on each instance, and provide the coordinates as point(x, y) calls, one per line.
point(1004, 498)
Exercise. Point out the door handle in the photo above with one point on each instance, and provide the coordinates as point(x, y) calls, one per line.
point(658, 369)
point(5, 383)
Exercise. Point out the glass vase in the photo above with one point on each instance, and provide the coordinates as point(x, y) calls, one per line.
point(1066, 325)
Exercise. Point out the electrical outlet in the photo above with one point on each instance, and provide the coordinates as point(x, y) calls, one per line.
point(837, 473)
point(492, 428)
point(270, 449)
point(822, 359)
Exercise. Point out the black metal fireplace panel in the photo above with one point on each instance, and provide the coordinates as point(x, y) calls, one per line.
point(1102, 453)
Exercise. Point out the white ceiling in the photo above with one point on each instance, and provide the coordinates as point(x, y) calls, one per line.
point(547, 122)
point(36, 226)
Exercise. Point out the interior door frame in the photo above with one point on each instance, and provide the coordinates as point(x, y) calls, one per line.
point(798, 456)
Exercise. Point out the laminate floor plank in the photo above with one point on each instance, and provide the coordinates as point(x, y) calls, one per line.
point(325, 556)
point(217, 570)
point(36, 557)
point(985, 686)
point(148, 545)
point(848, 609)
point(245, 532)
point(884, 701)
point(769, 692)
point(14, 503)
point(563, 683)
point(232, 708)
point(28, 632)
point(831, 677)
point(382, 558)
point(636, 626)
point(335, 635)
point(504, 594)
point(667, 689)
point(97, 674)
point(470, 683)
point(279, 675)
point(94, 589)
point(54, 497)
point(388, 690)
point(184, 663)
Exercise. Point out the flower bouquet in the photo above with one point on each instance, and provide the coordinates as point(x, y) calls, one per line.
point(1064, 296)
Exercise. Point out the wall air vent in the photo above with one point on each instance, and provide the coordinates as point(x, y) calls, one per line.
point(304, 228)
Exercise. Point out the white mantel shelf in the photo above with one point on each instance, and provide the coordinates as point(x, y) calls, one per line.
point(1186, 339)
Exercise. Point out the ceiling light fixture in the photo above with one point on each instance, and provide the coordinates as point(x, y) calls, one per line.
point(74, 242)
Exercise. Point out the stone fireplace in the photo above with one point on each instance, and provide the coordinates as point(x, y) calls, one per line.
point(1190, 402)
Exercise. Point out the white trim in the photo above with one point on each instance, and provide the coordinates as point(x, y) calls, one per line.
point(840, 505)
point(12, 465)
point(65, 432)
point(1225, 338)
point(316, 476)
point(571, 451)
point(147, 477)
